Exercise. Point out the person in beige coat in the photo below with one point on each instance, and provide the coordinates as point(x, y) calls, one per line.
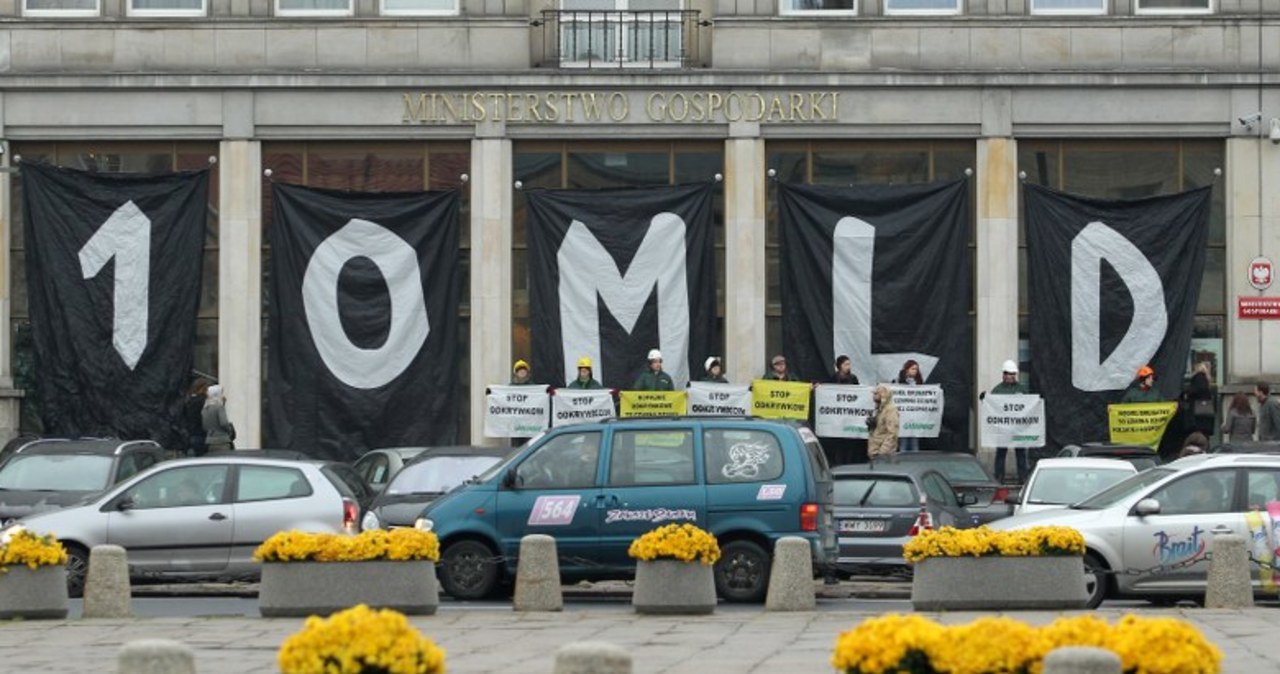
point(883, 440)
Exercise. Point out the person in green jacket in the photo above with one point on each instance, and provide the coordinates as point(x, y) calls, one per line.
point(584, 380)
point(654, 379)
point(520, 374)
point(778, 370)
point(1009, 385)
point(715, 371)
point(1143, 389)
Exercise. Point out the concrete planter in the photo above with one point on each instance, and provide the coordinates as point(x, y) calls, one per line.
point(292, 589)
point(670, 586)
point(998, 583)
point(33, 594)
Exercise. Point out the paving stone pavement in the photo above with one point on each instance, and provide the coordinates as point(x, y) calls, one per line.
point(733, 640)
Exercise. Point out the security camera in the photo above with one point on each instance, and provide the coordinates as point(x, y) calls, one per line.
point(1250, 120)
point(1275, 130)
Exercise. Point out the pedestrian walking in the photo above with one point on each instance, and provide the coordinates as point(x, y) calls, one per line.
point(193, 416)
point(1010, 385)
point(909, 375)
point(1240, 421)
point(220, 434)
point(654, 378)
point(1143, 387)
point(714, 371)
point(883, 424)
point(1198, 406)
point(585, 380)
point(1268, 413)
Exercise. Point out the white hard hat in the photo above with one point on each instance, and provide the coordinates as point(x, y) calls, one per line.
point(655, 354)
point(1011, 367)
point(710, 361)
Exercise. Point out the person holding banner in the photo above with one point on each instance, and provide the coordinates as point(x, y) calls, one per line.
point(844, 372)
point(1009, 385)
point(842, 450)
point(714, 371)
point(585, 380)
point(1143, 388)
point(883, 440)
point(778, 370)
point(654, 379)
point(909, 375)
point(520, 374)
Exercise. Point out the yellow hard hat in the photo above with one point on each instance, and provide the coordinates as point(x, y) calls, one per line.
point(584, 362)
point(518, 365)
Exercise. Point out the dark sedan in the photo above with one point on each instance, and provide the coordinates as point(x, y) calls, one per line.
point(989, 498)
point(429, 475)
point(879, 508)
point(52, 473)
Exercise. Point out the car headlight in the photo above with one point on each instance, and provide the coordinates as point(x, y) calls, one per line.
point(423, 524)
point(370, 522)
point(8, 532)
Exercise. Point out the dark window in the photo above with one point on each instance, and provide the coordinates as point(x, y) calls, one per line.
point(651, 457)
point(564, 462)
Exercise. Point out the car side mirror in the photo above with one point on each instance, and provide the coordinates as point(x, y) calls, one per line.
point(967, 499)
point(1147, 506)
point(509, 479)
point(125, 504)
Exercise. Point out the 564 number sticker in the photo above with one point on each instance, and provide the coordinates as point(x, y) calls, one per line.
point(550, 511)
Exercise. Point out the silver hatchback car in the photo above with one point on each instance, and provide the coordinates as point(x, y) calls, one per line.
point(201, 517)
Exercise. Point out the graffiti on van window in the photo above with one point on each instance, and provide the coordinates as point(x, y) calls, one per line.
point(745, 459)
point(650, 515)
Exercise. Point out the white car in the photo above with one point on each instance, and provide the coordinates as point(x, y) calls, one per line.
point(1150, 535)
point(1057, 483)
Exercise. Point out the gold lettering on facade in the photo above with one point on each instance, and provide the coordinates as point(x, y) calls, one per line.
point(619, 107)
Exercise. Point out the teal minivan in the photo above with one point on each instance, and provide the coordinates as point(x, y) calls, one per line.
point(596, 487)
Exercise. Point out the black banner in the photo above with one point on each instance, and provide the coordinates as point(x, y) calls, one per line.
point(362, 349)
point(113, 277)
point(614, 273)
point(1113, 287)
point(880, 273)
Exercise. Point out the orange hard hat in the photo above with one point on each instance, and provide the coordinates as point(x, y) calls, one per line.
point(1145, 371)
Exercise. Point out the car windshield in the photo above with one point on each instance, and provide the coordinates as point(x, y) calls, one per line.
point(57, 472)
point(1124, 489)
point(1061, 486)
point(960, 470)
point(439, 474)
point(875, 493)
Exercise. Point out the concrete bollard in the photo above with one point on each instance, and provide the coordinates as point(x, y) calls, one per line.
point(156, 656)
point(538, 575)
point(1229, 583)
point(1081, 660)
point(592, 657)
point(791, 580)
point(107, 593)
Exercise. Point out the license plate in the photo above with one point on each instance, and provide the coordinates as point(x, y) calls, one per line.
point(863, 526)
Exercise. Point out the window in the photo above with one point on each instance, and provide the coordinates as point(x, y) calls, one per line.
point(1068, 6)
point(651, 457)
point(826, 7)
point(564, 462)
point(168, 8)
point(313, 7)
point(1201, 493)
point(939, 490)
point(419, 7)
point(61, 8)
point(922, 6)
point(56, 472)
point(734, 455)
point(133, 463)
point(1175, 6)
point(1264, 488)
point(871, 492)
point(621, 32)
point(179, 487)
point(264, 483)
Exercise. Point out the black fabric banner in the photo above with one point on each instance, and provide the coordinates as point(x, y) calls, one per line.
point(614, 273)
point(362, 349)
point(880, 273)
point(113, 279)
point(1113, 286)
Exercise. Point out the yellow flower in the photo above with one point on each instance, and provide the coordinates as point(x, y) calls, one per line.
point(879, 645)
point(685, 542)
point(360, 640)
point(952, 542)
point(27, 548)
point(377, 544)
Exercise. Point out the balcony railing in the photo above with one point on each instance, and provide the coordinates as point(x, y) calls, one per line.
point(620, 39)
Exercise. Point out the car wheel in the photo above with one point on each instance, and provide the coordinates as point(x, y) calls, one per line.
point(1096, 580)
point(468, 570)
point(77, 569)
point(742, 574)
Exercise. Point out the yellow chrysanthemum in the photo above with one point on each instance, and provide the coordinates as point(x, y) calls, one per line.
point(394, 545)
point(685, 542)
point(26, 548)
point(360, 640)
point(952, 542)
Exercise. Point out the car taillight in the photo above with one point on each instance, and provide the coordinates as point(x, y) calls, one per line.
point(924, 521)
point(350, 513)
point(1002, 494)
point(809, 517)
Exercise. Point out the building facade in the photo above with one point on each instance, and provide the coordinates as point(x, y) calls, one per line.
point(1108, 98)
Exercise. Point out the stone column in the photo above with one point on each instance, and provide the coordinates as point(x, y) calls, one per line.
point(491, 216)
point(1253, 229)
point(997, 260)
point(9, 397)
point(240, 286)
point(744, 216)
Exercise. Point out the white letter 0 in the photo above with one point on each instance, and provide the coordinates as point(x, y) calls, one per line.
point(359, 367)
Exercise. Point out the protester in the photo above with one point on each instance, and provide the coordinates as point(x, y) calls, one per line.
point(654, 379)
point(1196, 443)
point(714, 371)
point(1198, 408)
point(220, 434)
point(1009, 385)
point(1268, 413)
point(584, 380)
point(193, 417)
point(1143, 388)
point(883, 439)
point(520, 374)
point(1240, 422)
point(841, 451)
point(778, 370)
point(909, 375)
point(844, 372)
